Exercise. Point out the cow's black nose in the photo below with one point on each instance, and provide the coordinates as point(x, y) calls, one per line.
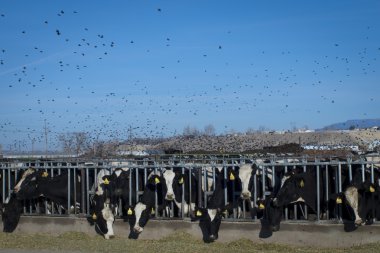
point(169, 196)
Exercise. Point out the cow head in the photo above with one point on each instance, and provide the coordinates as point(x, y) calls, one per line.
point(27, 186)
point(209, 221)
point(172, 184)
point(140, 214)
point(297, 188)
point(243, 179)
point(11, 213)
point(103, 209)
point(271, 216)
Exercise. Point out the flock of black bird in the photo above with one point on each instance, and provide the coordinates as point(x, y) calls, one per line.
point(136, 107)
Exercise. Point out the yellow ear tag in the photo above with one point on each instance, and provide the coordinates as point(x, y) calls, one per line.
point(302, 183)
point(181, 181)
point(339, 200)
point(232, 177)
point(156, 180)
point(199, 213)
point(45, 174)
point(106, 181)
point(371, 189)
point(225, 213)
point(94, 217)
point(129, 212)
point(152, 211)
point(261, 206)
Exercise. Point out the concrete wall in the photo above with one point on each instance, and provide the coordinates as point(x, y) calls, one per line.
point(320, 235)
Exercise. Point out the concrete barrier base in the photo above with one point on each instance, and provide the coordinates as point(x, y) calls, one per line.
point(296, 234)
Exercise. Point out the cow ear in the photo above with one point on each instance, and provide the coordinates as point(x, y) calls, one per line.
point(372, 188)
point(181, 179)
point(130, 211)
point(301, 183)
point(198, 213)
point(231, 175)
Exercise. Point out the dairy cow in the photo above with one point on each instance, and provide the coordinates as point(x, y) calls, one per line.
point(36, 183)
point(103, 207)
point(270, 216)
point(139, 215)
point(210, 218)
point(176, 185)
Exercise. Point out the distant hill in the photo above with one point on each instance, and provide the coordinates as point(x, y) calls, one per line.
point(354, 123)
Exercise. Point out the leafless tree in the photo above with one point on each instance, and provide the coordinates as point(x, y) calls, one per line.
point(75, 143)
point(209, 130)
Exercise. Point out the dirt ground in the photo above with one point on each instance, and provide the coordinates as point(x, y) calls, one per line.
point(181, 242)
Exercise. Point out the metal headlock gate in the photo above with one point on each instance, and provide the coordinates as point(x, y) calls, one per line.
point(83, 174)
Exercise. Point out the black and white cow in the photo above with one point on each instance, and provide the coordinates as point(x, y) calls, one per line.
point(36, 183)
point(103, 207)
point(210, 218)
point(139, 215)
point(242, 180)
point(363, 198)
point(300, 187)
point(175, 184)
point(270, 216)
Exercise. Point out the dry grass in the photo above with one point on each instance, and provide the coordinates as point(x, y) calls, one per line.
point(180, 242)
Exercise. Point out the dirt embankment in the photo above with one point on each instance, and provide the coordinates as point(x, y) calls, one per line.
point(270, 142)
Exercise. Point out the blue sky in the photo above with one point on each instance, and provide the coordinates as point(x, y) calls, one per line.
point(159, 66)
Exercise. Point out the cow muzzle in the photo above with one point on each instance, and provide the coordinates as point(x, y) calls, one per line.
point(169, 196)
point(137, 229)
point(213, 237)
point(275, 202)
point(245, 195)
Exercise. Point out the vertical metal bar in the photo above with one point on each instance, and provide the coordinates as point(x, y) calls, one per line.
point(3, 179)
point(88, 190)
point(286, 208)
point(68, 191)
point(263, 179)
point(155, 197)
point(83, 190)
point(200, 186)
point(340, 176)
point(205, 173)
point(225, 179)
point(130, 186)
point(137, 184)
point(327, 190)
point(183, 195)
point(254, 192)
point(190, 190)
point(363, 175)
point(318, 196)
point(75, 189)
point(304, 205)
point(9, 183)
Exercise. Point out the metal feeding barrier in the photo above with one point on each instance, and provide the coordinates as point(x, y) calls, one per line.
point(82, 178)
